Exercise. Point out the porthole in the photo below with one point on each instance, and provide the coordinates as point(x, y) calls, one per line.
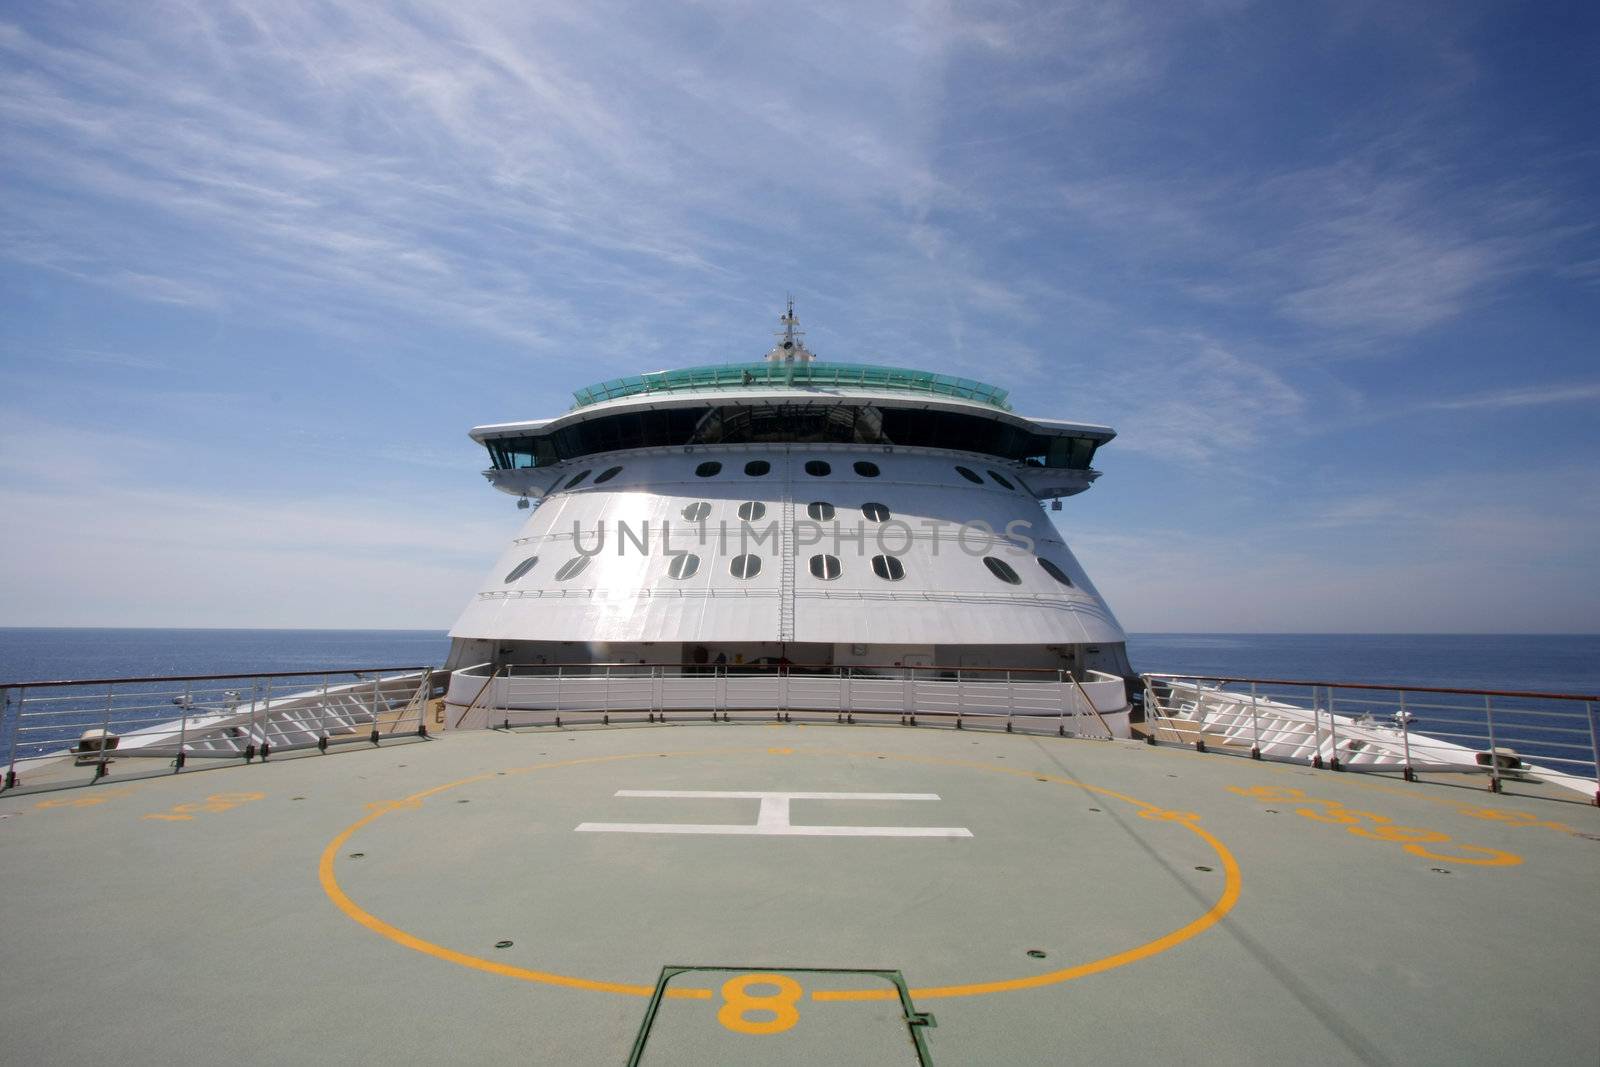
point(683, 565)
point(576, 478)
point(697, 511)
point(572, 568)
point(889, 568)
point(825, 567)
point(751, 510)
point(1000, 480)
point(1055, 572)
point(1001, 570)
point(866, 469)
point(745, 566)
point(818, 468)
point(607, 474)
point(875, 512)
point(709, 469)
point(520, 569)
point(970, 476)
point(820, 510)
point(757, 467)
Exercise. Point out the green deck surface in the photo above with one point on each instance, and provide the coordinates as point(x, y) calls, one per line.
point(183, 919)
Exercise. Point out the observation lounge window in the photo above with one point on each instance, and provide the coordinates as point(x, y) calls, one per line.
point(520, 569)
point(875, 512)
point(819, 510)
point(756, 468)
point(745, 566)
point(572, 568)
point(889, 568)
point(818, 468)
point(969, 475)
point(576, 478)
point(825, 567)
point(1001, 570)
point(1000, 480)
point(607, 474)
point(709, 469)
point(751, 510)
point(867, 469)
point(697, 511)
point(683, 565)
point(1055, 572)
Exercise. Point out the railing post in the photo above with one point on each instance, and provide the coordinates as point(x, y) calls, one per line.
point(1255, 725)
point(1011, 701)
point(105, 735)
point(1494, 756)
point(16, 733)
point(1061, 717)
point(183, 728)
point(266, 745)
point(1409, 773)
point(1594, 746)
point(374, 734)
point(1333, 735)
point(1316, 730)
point(1200, 710)
point(558, 694)
point(605, 693)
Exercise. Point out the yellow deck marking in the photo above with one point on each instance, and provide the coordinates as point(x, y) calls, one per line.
point(1232, 881)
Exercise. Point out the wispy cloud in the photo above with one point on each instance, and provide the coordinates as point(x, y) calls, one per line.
point(1522, 397)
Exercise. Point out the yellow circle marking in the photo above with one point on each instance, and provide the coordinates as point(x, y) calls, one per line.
point(1232, 882)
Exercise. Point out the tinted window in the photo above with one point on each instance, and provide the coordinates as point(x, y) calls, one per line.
point(746, 566)
point(1001, 570)
point(1055, 572)
point(607, 475)
point(875, 512)
point(683, 565)
point(572, 568)
point(710, 468)
point(751, 510)
point(888, 568)
point(697, 511)
point(576, 478)
point(520, 569)
point(825, 567)
point(1001, 480)
point(820, 510)
point(757, 467)
point(969, 475)
point(865, 469)
point(818, 468)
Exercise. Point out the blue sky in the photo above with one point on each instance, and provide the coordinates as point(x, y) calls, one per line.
point(1331, 270)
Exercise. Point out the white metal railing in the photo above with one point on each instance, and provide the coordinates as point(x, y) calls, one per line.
point(1504, 735)
point(56, 732)
point(561, 694)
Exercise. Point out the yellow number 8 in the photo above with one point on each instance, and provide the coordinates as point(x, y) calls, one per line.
point(737, 1004)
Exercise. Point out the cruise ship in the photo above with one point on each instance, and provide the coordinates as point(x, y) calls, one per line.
point(788, 728)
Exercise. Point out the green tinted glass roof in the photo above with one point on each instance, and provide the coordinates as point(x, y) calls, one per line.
point(767, 375)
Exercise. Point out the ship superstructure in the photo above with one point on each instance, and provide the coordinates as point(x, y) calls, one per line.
point(792, 510)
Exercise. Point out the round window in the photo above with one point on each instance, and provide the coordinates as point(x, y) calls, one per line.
point(889, 568)
point(970, 476)
point(607, 474)
point(825, 567)
point(520, 569)
point(875, 512)
point(576, 478)
point(1001, 481)
point(745, 566)
point(751, 510)
point(818, 468)
point(572, 568)
point(866, 469)
point(697, 511)
point(1055, 572)
point(757, 467)
point(683, 565)
point(1001, 570)
point(709, 469)
point(820, 510)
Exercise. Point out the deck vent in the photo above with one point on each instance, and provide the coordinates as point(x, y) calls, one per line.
point(1504, 758)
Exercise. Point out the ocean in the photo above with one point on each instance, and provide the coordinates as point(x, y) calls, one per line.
point(1567, 663)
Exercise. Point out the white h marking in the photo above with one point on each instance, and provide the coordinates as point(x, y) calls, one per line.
point(773, 818)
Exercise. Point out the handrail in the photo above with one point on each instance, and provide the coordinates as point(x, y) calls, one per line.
point(1084, 693)
point(778, 666)
point(481, 690)
point(208, 677)
point(1378, 686)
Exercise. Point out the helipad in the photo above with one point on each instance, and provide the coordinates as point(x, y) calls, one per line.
point(794, 894)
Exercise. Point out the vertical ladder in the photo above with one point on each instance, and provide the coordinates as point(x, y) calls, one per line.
point(786, 565)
